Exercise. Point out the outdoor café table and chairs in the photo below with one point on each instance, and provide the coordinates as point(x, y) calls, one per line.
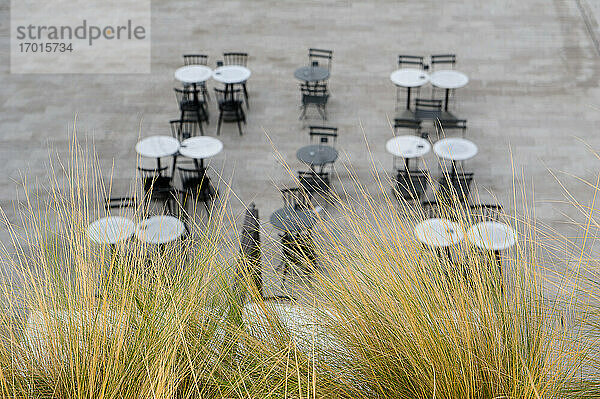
point(315, 73)
point(441, 235)
point(417, 74)
point(112, 230)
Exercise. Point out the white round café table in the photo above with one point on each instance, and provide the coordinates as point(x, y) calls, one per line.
point(231, 74)
point(438, 233)
point(409, 78)
point(455, 149)
point(193, 74)
point(448, 79)
point(159, 229)
point(111, 230)
point(407, 147)
point(157, 147)
point(200, 148)
point(492, 236)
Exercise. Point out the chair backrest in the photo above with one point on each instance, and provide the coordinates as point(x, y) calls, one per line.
point(155, 179)
point(405, 123)
point(313, 181)
point(425, 104)
point(457, 185)
point(324, 134)
point(195, 59)
point(316, 55)
point(235, 58)
point(295, 197)
point(182, 129)
point(233, 96)
point(486, 212)
point(193, 180)
point(453, 124)
point(411, 184)
point(120, 203)
point(410, 61)
point(185, 96)
point(443, 59)
point(319, 89)
point(443, 210)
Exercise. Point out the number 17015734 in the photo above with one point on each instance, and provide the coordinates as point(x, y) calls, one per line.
point(45, 47)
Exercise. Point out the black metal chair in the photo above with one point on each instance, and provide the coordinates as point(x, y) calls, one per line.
point(120, 203)
point(184, 129)
point(197, 59)
point(250, 248)
point(316, 95)
point(456, 186)
point(238, 58)
point(295, 197)
point(414, 61)
point(195, 183)
point(325, 134)
point(445, 125)
point(192, 105)
point(230, 108)
point(157, 186)
point(411, 185)
point(407, 123)
point(443, 59)
point(427, 109)
point(316, 55)
point(313, 182)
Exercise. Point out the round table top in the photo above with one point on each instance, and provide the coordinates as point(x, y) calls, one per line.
point(160, 229)
point(291, 220)
point(493, 236)
point(231, 74)
point(157, 146)
point(455, 149)
point(409, 77)
point(111, 230)
point(200, 147)
point(408, 146)
point(448, 79)
point(438, 232)
point(311, 73)
point(317, 154)
point(193, 74)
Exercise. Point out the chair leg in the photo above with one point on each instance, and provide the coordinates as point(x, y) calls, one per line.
point(303, 113)
point(246, 95)
point(219, 123)
point(239, 123)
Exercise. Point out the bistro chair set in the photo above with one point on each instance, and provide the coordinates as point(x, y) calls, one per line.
point(413, 73)
point(193, 98)
point(157, 230)
point(479, 226)
point(438, 231)
point(314, 91)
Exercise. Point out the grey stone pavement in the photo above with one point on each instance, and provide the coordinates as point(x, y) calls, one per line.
point(533, 100)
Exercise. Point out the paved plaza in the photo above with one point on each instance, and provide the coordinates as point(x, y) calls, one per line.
point(532, 103)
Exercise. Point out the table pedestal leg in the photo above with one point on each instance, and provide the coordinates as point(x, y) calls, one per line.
point(408, 99)
point(447, 95)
